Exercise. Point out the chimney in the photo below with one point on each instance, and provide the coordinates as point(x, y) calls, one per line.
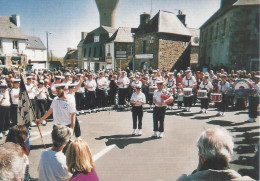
point(107, 10)
point(68, 49)
point(182, 17)
point(15, 18)
point(83, 35)
point(144, 19)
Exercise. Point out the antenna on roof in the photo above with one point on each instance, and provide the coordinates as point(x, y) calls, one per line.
point(151, 8)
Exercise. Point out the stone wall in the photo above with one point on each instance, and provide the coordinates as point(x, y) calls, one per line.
point(169, 52)
point(194, 55)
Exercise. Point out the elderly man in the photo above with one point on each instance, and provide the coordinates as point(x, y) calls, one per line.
point(215, 150)
point(52, 164)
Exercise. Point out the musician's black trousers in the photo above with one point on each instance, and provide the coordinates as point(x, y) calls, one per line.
point(42, 104)
point(204, 103)
point(150, 98)
point(79, 101)
point(101, 98)
point(4, 118)
point(223, 105)
point(252, 108)
point(188, 101)
point(91, 99)
point(137, 112)
point(122, 93)
point(14, 108)
point(158, 117)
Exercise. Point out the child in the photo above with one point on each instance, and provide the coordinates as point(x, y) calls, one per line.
point(179, 97)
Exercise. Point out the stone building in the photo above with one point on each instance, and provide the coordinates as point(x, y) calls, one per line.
point(93, 48)
point(119, 49)
point(194, 52)
point(160, 42)
point(231, 36)
point(70, 60)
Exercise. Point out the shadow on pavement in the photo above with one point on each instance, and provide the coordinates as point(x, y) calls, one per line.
point(121, 141)
point(221, 122)
point(203, 117)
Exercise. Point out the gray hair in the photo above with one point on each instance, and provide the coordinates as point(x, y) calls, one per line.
point(60, 135)
point(216, 142)
point(12, 162)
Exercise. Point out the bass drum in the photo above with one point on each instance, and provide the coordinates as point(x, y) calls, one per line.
point(243, 87)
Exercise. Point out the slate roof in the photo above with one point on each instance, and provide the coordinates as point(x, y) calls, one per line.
point(164, 22)
point(9, 29)
point(71, 54)
point(123, 34)
point(34, 42)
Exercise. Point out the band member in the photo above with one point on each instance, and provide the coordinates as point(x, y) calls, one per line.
point(31, 89)
point(137, 100)
point(170, 84)
point(41, 95)
point(205, 85)
point(188, 81)
point(254, 100)
point(159, 110)
point(113, 89)
point(79, 95)
point(102, 85)
point(5, 105)
point(223, 87)
point(123, 83)
point(136, 82)
point(15, 91)
point(90, 86)
point(152, 87)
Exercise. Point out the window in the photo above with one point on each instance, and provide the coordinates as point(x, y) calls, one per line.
point(100, 52)
point(211, 32)
point(85, 52)
point(108, 50)
point(15, 45)
point(95, 51)
point(257, 24)
point(96, 38)
point(201, 36)
point(224, 26)
point(217, 31)
point(144, 46)
point(89, 52)
point(206, 35)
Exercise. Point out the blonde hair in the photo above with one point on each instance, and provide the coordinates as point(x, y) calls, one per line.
point(79, 157)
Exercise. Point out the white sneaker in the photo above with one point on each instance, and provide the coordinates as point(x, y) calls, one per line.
point(82, 112)
point(32, 124)
point(206, 111)
point(78, 138)
point(188, 109)
point(44, 123)
point(1, 135)
point(201, 110)
point(89, 111)
point(154, 134)
point(94, 110)
point(139, 132)
point(160, 135)
point(223, 114)
point(251, 120)
point(218, 114)
point(134, 132)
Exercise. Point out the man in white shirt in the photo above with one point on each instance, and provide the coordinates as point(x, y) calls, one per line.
point(41, 95)
point(5, 105)
point(30, 88)
point(123, 83)
point(254, 100)
point(137, 100)
point(15, 92)
point(223, 87)
point(152, 87)
point(63, 109)
point(91, 85)
point(102, 84)
point(52, 165)
point(80, 95)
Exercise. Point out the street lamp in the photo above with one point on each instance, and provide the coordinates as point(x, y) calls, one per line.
point(47, 37)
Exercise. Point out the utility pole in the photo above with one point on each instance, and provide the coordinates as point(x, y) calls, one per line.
point(47, 37)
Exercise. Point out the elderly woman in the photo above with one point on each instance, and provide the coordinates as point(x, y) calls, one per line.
point(79, 162)
point(215, 147)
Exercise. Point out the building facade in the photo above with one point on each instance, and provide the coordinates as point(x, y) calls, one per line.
point(230, 38)
point(160, 42)
point(70, 60)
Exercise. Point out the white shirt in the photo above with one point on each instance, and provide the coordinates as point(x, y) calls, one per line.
point(136, 83)
point(152, 81)
point(157, 96)
point(189, 82)
point(205, 86)
point(42, 95)
point(223, 86)
point(52, 166)
point(31, 90)
point(14, 92)
point(101, 81)
point(170, 82)
point(125, 82)
point(257, 87)
point(91, 83)
point(6, 100)
point(62, 109)
point(81, 88)
point(138, 97)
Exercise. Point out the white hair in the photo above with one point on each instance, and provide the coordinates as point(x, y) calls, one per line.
point(12, 162)
point(216, 142)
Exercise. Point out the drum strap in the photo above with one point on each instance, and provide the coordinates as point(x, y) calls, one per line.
point(188, 81)
point(205, 85)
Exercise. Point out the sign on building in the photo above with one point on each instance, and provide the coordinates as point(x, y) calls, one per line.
point(144, 56)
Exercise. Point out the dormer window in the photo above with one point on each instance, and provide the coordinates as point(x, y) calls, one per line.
point(96, 38)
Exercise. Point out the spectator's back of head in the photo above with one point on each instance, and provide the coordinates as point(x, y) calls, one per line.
point(12, 162)
point(60, 135)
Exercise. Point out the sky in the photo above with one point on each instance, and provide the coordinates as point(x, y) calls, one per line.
point(64, 20)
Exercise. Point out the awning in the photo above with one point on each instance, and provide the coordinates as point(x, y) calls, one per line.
point(15, 58)
point(2, 57)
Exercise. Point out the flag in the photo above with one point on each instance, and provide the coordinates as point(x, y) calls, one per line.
point(25, 109)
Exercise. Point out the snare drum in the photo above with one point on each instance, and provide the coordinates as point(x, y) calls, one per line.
point(202, 94)
point(216, 97)
point(187, 92)
point(152, 89)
